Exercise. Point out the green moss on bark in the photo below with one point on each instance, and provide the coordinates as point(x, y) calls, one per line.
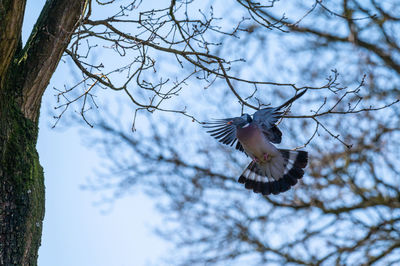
point(21, 187)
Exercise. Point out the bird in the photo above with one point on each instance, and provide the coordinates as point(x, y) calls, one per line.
point(271, 170)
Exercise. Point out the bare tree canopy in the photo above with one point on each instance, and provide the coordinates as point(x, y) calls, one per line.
point(207, 60)
point(185, 61)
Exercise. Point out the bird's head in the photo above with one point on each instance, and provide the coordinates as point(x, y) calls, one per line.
point(242, 121)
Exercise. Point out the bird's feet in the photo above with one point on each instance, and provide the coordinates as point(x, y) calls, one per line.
point(265, 158)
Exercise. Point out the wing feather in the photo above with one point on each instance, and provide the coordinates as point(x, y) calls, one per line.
point(223, 132)
point(267, 116)
point(266, 119)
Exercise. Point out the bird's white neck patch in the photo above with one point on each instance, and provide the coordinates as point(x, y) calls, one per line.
point(247, 125)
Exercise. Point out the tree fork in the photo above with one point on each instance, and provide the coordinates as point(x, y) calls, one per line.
point(25, 74)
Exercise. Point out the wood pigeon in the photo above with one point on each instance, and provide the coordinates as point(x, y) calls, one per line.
point(272, 170)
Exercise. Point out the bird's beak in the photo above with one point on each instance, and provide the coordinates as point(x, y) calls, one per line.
point(230, 123)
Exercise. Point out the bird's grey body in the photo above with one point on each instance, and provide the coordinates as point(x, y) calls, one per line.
point(255, 143)
point(261, 150)
point(272, 170)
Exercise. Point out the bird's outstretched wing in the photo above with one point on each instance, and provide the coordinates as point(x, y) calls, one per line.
point(291, 100)
point(266, 119)
point(267, 116)
point(223, 132)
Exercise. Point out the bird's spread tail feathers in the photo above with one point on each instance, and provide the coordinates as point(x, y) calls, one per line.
point(277, 175)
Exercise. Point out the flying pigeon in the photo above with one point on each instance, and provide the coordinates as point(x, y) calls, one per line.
point(272, 170)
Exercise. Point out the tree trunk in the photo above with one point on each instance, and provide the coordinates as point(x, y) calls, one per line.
point(25, 74)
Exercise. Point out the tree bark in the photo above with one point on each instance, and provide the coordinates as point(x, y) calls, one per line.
point(25, 74)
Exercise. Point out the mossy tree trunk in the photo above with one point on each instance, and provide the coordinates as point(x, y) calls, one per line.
point(24, 75)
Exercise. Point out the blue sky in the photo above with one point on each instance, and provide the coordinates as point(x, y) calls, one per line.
point(76, 230)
